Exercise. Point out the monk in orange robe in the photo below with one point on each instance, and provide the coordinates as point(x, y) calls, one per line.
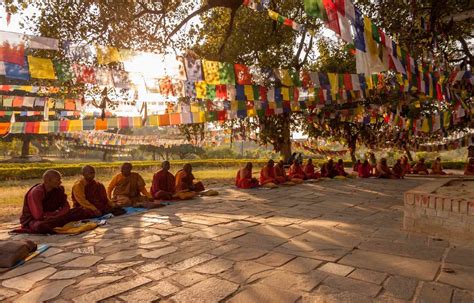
point(296, 171)
point(185, 180)
point(383, 171)
point(267, 174)
point(163, 186)
point(128, 188)
point(469, 169)
point(280, 173)
point(437, 167)
point(244, 177)
point(420, 167)
point(365, 170)
point(329, 170)
point(310, 171)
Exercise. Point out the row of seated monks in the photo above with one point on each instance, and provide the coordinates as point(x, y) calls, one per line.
point(46, 205)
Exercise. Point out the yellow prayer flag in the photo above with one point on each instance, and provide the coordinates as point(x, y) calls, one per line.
point(372, 45)
point(199, 117)
point(153, 120)
point(137, 122)
point(107, 54)
point(334, 82)
point(75, 126)
point(425, 127)
point(251, 113)
point(211, 71)
point(284, 77)
point(273, 15)
point(41, 68)
point(43, 128)
point(201, 89)
point(285, 93)
point(195, 107)
point(399, 52)
point(248, 91)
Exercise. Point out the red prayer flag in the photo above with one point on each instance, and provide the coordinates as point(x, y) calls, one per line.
point(348, 82)
point(12, 53)
point(221, 91)
point(263, 93)
point(333, 20)
point(242, 74)
point(341, 7)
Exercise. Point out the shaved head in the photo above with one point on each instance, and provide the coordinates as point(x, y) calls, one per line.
point(187, 168)
point(51, 179)
point(88, 169)
point(126, 169)
point(88, 172)
point(51, 173)
point(165, 165)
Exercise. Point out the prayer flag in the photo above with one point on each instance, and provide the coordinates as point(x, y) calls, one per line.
point(15, 71)
point(242, 74)
point(345, 28)
point(41, 68)
point(2, 68)
point(193, 68)
point(332, 19)
point(104, 77)
point(12, 48)
point(226, 73)
point(84, 74)
point(284, 77)
point(359, 40)
point(42, 43)
point(107, 54)
point(211, 71)
point(121, 79)
point(315, 8)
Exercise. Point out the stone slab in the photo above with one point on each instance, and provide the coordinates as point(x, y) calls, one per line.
point(207, 291)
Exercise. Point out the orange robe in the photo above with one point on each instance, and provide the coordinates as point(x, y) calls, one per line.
point(267, 175)
point(185, 182)
point(280, 175)
point(437, 169)
point(296, 172)
point(244, 179)
point(163, 185)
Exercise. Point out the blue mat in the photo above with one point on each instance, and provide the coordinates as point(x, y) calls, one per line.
point(133, 210)
point(39, 250)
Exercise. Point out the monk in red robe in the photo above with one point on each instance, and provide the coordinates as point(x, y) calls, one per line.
point(310, 171)
point(397, 170)
point(406, 165)
point(185, 180)
point(365, 170)
point(267, 174)
point(163, 186)
point(280, 173)
point(340, 168)
point(469, 169)
point(420, 167)
point(244, 177)
point(329, 170)
point(46, 207)
point(296, 171)
point(91, 195)
point(355, 168)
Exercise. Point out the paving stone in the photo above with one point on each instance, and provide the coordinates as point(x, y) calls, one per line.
point(384, 298)
point(140, 296)
point(62, 257)
point(259, 241)
point(368, 275)
point(111, 290)
point(51, 252)
point(150, 266)
point(86, 261)
point(231, 235)
point(188, 278)
point(461, 256)
point(69, 274)
point(214, 266)
point(93, 282)
point(185, 264)
point(336, 297)
point(159, 274)
point(400, 287)
point(276, 231)
point(407, 250)
point(243, 271)
point(288, 280)
point(126, 254)
point(87, 250)
point(164, 288)
point(461, 278)
point(210, 290)
point(244, 253)
point(462, 296)
point(45, 292)
point(24, 269)
point(223, 249)
point(114, 267)
point(262, 293)
point(435, 292)
point(6, 293)
point(275, 259)
point(337, 269)
point(351, 285)
point(154, 245)
point(301, 265)
point(420, 269)
point(26, 281)
point(154, 254)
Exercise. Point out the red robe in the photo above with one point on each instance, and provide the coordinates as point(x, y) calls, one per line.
point(310, 172)
point(163, 185)
point(280, 175)
point(96, 195)
point(267, 175)
point(244, 179)
point(365, 171)
point(469, 170)
point(420, 167)
point(340, 170)
point(296, 172)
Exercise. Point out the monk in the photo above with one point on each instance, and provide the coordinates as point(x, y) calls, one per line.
point(365, 170)
point(420, 167)
point(329, 170)
point(469, 169)
point(163, 186)
point(128, 188)
point(280, 173)
point(397, 170)
point(92, 196)
point(296, 171)
point(406, 165)
point(267, 175)
point(310, 171)
point(383, 171)
point(340, 168)
point(244, 177)
point(46, 207)
point(185, 180)
point(437, 167)
point(355, 168)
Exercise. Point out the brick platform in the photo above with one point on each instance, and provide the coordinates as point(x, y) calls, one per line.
point(439, 215)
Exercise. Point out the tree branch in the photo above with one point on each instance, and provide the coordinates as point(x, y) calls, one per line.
point(228, 32)
point(199, 11)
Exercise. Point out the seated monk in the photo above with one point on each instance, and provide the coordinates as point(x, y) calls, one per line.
point(365, 170)
point(46, 207)
point(267, 175)
point(340, 168)
point(355, 168)
point(244, 177)
point(383, 171)
point(185, 180)
point(310, 171)
point(420, 167)
point(469, 169)
point(163, 186)
point(329, 170)
point(437, 168)
point(397, 170)
point(406, 165)
point(280, 174)
point(128, 188)
point(92, 196)
point(296, 173)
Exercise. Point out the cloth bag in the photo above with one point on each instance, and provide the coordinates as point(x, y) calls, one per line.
point(13, 251)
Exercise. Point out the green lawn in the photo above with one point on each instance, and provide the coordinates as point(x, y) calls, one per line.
point(12, 192)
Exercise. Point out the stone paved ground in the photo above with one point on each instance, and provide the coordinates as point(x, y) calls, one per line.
point(333, 241)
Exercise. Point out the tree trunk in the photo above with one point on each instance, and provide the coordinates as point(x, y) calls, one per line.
point(104, 156)
point(285, 148)
point(25, 147)
point(353, 156)
point(407, 151)
point(154, 155)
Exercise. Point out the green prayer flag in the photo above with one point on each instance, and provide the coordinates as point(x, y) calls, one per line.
point(63, 71)
point(210, 91)
point(375, 33)
point(295, 77)
point(226, 73)
point(315, 8)
point(256, 92)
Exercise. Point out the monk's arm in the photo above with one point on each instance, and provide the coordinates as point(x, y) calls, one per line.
point(78, 190)
point(111, 187)
point(35, 206)
point(143, 189)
